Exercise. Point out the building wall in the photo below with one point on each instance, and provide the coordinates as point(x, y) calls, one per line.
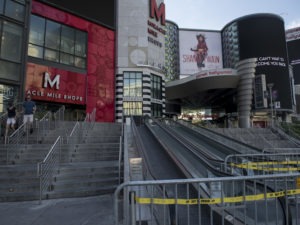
point(13, 35)
point(102, 13)
point(140, 49)
point(172, 67)
point(293, 45)
point(99, 75)
point(261, 36)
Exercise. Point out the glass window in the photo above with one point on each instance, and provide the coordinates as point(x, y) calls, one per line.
point(1, 6)
point(80, 44)
point(132, 108)
point(67, 43)
point(14, 10)
point(52, 35)
point(51, 55)
point(156, 110)
point(37, 30)
point(67, 59)
point(35, 51)
point(126, 87)
point(132, 84)
point(10, 71)
point(80, 62)
point(7, 94)
point(11, 42)
point(156, 92)
point(56, 42)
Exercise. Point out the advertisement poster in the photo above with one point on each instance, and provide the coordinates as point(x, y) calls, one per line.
point(199, 50)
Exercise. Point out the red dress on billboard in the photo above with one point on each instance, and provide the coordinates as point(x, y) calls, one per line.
point(201, 51)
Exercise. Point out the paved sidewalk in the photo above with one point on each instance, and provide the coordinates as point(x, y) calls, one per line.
point(74, 211)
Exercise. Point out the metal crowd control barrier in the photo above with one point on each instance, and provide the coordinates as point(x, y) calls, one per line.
point(233, 200)
point(262, 164)
point(48, 166)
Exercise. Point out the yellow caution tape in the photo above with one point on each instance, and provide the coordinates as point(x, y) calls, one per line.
point(210, 201)
point(298, 182)
point(263, 166)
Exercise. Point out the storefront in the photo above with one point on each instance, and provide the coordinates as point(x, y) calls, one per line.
point(71, 62)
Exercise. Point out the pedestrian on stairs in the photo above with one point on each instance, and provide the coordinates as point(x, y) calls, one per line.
point(11, 118)
point(29, 109)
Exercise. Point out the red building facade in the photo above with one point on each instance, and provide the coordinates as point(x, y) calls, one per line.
point(94, 88)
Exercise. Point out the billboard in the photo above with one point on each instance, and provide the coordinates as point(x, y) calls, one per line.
point(293, 45)
point(262, 36)
point(199, 50)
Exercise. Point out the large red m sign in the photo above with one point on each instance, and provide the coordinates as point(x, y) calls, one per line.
point(158, 12)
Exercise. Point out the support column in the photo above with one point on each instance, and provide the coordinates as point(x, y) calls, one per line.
point(246, 72)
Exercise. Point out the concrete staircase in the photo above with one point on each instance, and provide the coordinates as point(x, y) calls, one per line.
point(87, 168)
point(82, 179)
point(18, 183)
point(257, 137)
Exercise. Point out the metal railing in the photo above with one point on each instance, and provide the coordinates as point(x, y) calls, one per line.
point(44, 126)
point(59, 116)
point(75, 136)
point(121, 147)
point(231, 200)
point(137, 164)
point(281, 150)
point(88, 122)
point(225, 140)
point(291, 136)
point(262, 164)
point(47, 167)
point(15, 140)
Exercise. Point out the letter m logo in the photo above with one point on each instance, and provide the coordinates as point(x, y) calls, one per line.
point(158, 12)
point(51, 83)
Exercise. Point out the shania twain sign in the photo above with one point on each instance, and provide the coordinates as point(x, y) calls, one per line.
point(199, 50)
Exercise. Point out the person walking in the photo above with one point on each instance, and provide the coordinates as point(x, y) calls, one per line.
point(29, 109)
point(11, 118)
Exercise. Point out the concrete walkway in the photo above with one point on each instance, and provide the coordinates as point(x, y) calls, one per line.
point(74, 211)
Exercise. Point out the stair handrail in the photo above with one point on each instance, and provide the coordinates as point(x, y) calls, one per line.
point(74, 136)
point(89, 122)
point(47, 167)
point(43, 125)
point(279, 129)
point(121, 148)
point(59, 115)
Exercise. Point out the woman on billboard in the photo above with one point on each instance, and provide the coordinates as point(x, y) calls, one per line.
point(200, 50)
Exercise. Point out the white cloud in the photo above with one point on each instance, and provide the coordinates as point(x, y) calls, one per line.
point(293, 24)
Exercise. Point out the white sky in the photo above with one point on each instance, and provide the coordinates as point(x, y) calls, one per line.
point(215, 14)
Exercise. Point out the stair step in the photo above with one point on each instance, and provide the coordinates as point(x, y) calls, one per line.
point(20, 196)
point(84, 192)
point(90, 168)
